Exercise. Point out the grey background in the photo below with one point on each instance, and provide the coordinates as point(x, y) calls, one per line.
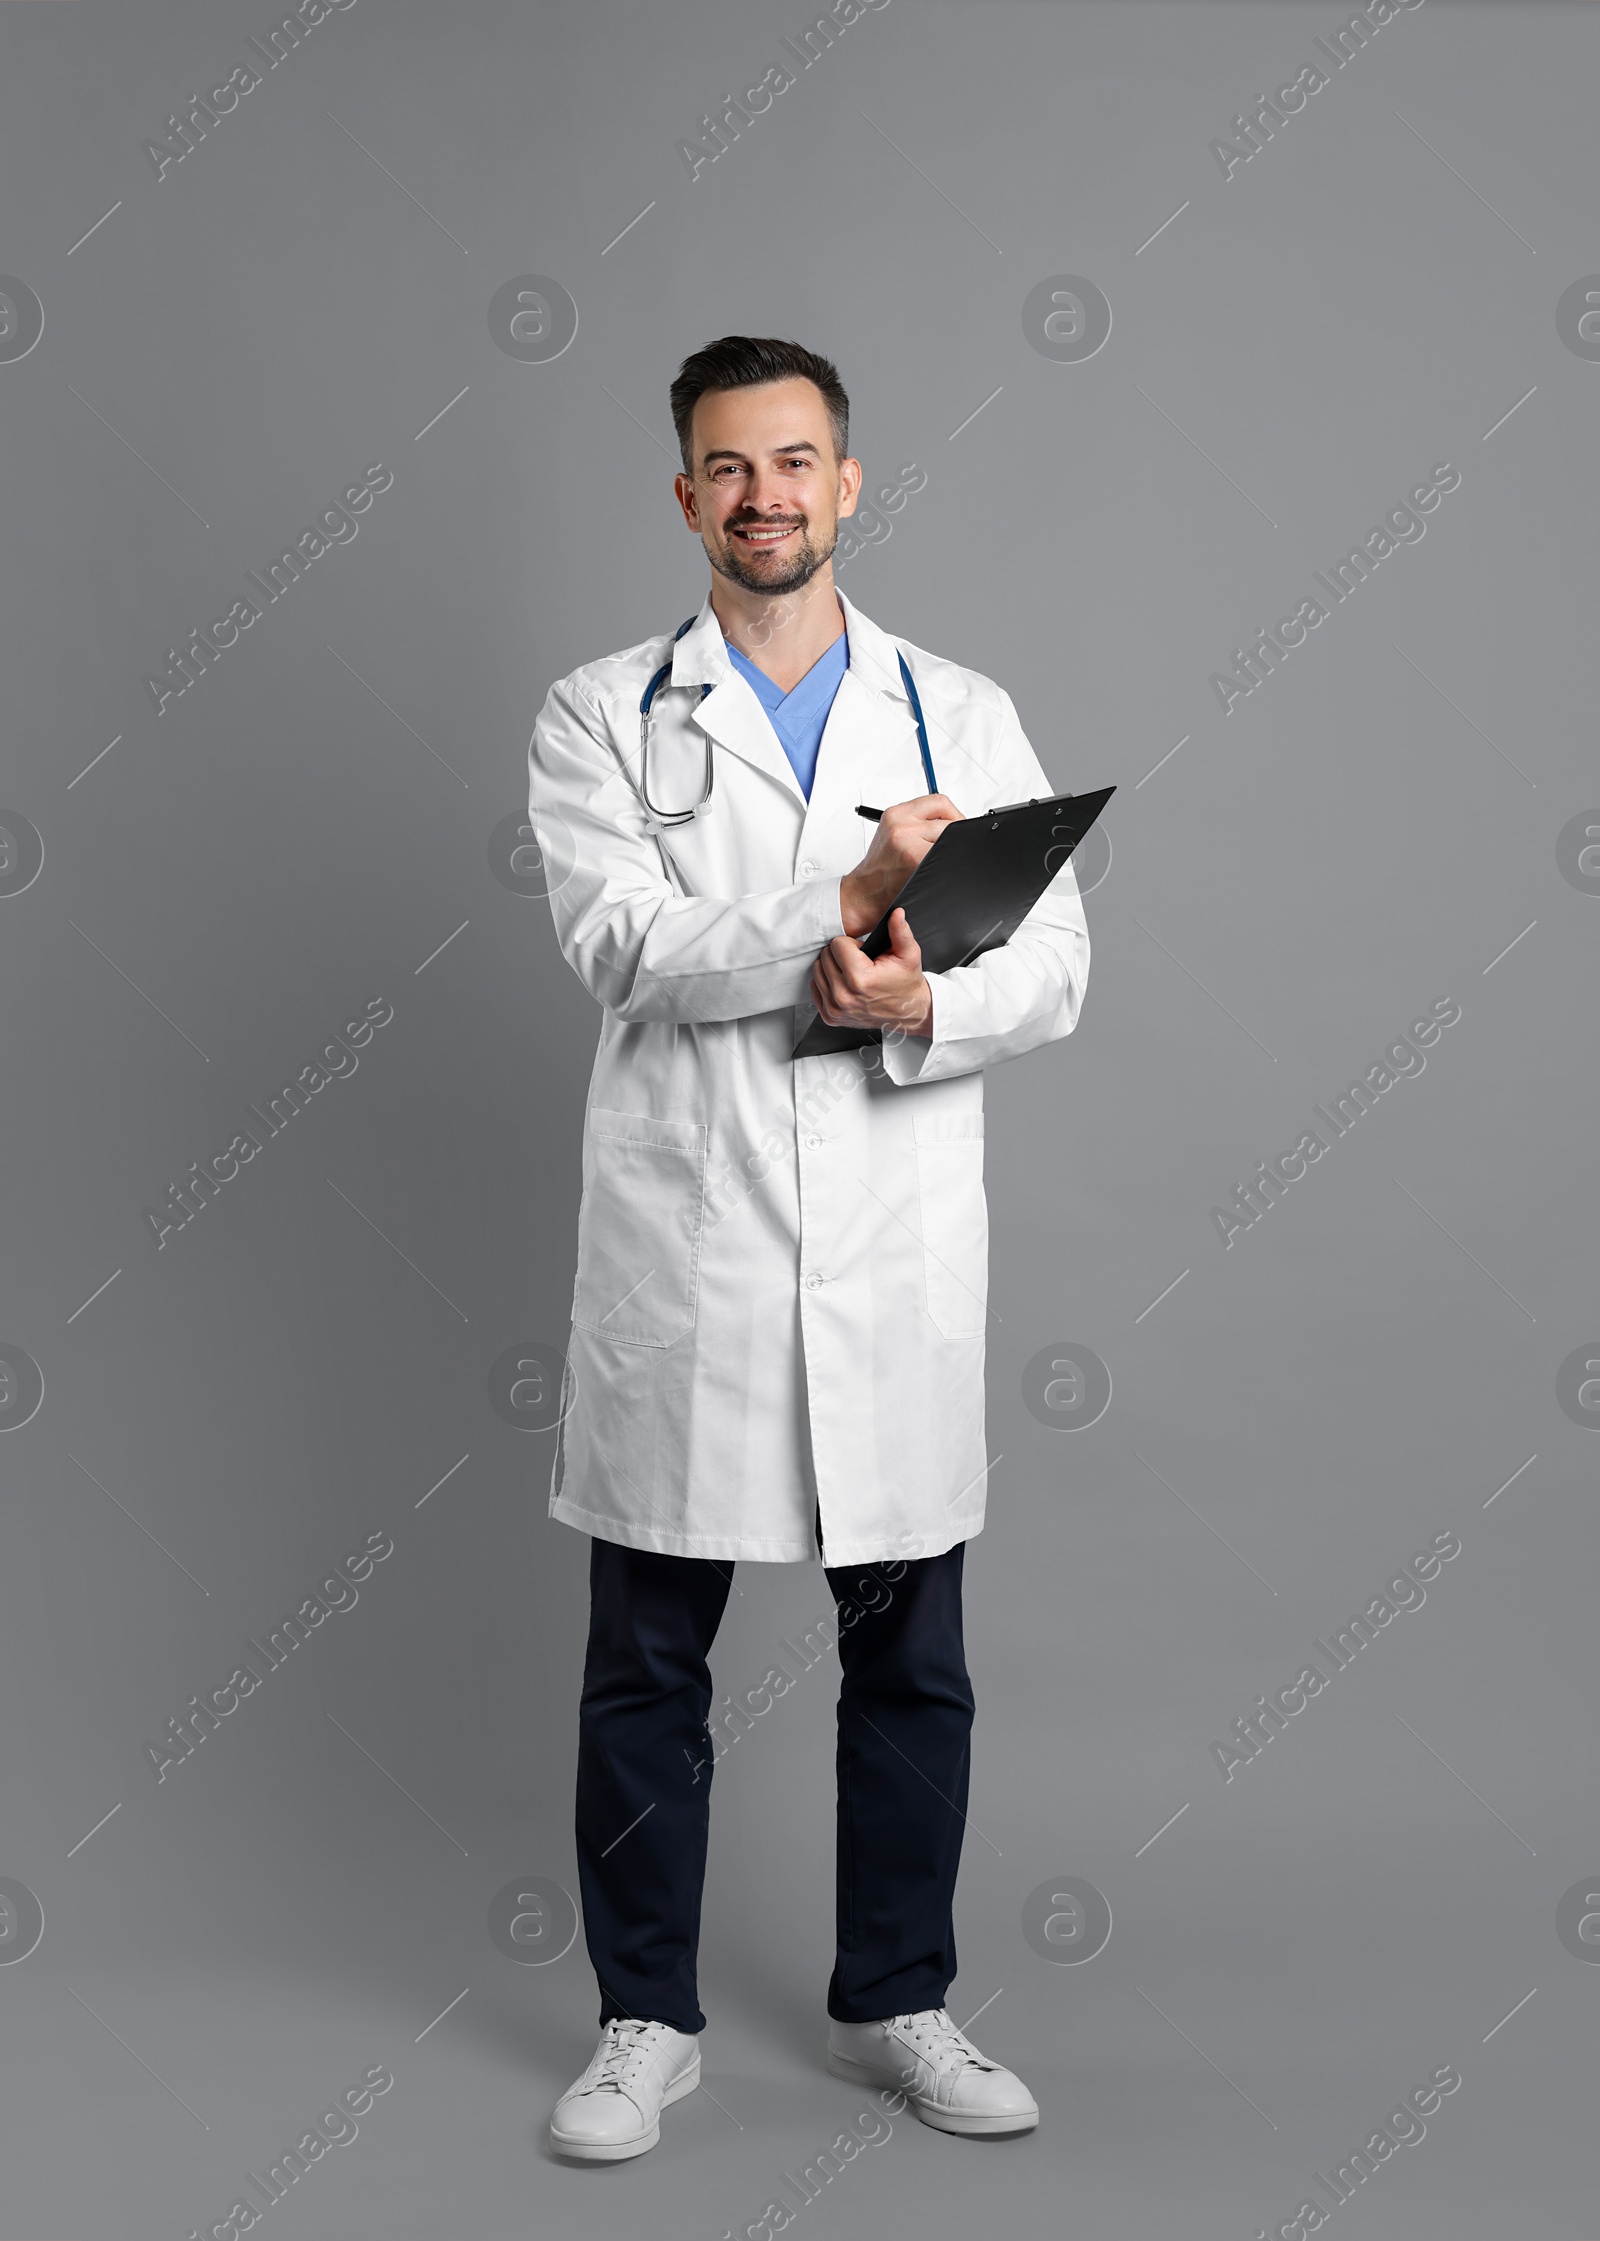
point(307, 1360)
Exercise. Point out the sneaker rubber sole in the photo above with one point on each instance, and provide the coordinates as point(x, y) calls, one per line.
point(618, 2151)
point(965, 2123)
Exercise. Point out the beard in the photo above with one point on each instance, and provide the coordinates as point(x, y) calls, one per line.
point(792, 575)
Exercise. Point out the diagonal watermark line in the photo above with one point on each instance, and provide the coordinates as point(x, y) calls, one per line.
point(966, 1819)
point(443, 946)
point(139, 455)
point(1200, 984)
point(1156, 1302)
point(938, 190)
point(93, 1296)
point(1467, 1786)
point(443, 2012)
point(100, 758)
point(95, 1831)
point(95, 228)
point(972, 1482)
point(988, 2003)
point(400, 1786)
point(627, 229)
point(1161, 229)
point(404, 189)
point(1506, 2018)
point(1505, 416)
point(438, 1482)
point(1200, 2050)
point(144, 1529)
point(632, 1825)
point(1512, 1480)
point(1149, 1840)
point(1211, 1529)
point(438, 416)
point(1510, 946)
point(393, 1247)
point(638, 423)
point(972, 416)
point(137, 990)
point(1460, 1248)
point(1166, 758)
point(622, 1303)
point(395, 713)
point(1465, 718)
point(722, 2105)
point(1206, 456)
point(143, 2064)
point(1467, 183)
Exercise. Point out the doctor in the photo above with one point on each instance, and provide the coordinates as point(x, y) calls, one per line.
point(778, 1320)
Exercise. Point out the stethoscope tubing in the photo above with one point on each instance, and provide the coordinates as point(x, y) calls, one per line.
point(683, 816)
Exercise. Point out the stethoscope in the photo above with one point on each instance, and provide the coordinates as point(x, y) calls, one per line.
point(682, 816)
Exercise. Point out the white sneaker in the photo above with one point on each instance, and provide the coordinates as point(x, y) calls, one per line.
point(614, 2109)
point(944, 2078)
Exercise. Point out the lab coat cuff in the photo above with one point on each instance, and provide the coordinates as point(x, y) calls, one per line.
point(910, 1058)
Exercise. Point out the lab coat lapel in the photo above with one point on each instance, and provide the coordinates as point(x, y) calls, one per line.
point(734, 717)
point(869, 746)
point(730, 712)
point(868, 754)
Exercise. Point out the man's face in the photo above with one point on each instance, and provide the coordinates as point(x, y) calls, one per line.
point(767, 492)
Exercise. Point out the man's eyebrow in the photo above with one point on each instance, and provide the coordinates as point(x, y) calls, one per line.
point(779, 451)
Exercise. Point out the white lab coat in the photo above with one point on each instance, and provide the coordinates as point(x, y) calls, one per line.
point(779, 1314)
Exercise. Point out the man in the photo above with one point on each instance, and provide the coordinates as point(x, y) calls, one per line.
point(778, 1319)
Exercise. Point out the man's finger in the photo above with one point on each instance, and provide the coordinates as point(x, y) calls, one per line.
point(902, 941)
point(846, 977)
point(931, 808)
point(825, 975)
point(850, 963)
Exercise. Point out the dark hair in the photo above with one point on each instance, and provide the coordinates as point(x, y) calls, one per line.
point(744, 361)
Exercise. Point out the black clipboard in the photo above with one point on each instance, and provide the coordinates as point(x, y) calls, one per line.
point(972, 891)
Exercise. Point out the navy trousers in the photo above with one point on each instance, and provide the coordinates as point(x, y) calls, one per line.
point(645, 1759)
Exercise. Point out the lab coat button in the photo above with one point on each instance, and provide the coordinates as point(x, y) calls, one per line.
point(808, 869)
point(813, 1282)
point(813, 1143)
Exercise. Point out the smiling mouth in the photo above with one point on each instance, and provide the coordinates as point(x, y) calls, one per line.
point(765, 533)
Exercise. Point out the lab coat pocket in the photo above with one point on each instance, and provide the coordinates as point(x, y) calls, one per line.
point(639, 1228)
point(955, 1222)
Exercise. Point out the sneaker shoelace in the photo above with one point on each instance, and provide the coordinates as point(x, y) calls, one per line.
point(628, 2041)
point(933, 2033)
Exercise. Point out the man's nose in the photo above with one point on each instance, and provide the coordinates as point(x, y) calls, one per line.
point(765, 495)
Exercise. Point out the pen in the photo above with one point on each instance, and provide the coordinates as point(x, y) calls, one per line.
point(875, 814)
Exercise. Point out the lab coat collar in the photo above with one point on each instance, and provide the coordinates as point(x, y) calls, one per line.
point(733, 715)
point(700, 656)
point(874, 656)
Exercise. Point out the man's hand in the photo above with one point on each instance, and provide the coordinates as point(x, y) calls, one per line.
point(902, 838)
point(851, 989)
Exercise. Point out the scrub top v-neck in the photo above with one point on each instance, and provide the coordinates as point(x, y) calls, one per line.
point(799, 716)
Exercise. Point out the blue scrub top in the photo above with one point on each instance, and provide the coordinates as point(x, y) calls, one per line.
point(799, 716)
